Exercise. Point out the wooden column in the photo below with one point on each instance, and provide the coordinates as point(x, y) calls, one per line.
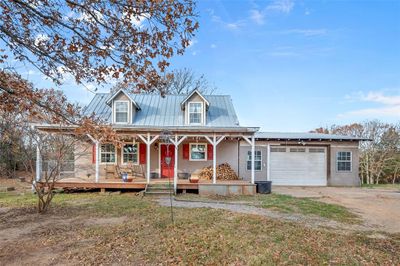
point(176, 141)
point(38, 164)
point(214, 142)
point(148, 141)
point(97, 148)
point(97, 174)
point(252, 159)
point(251, 141)
point(268, 162)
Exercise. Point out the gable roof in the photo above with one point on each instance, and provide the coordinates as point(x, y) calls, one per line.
point(157, 111)
point(191, 94)
point(108, 102)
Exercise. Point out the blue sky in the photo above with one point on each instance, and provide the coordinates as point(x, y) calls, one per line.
point(296, 65)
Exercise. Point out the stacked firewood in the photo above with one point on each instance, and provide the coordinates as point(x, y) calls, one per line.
point(224, 172)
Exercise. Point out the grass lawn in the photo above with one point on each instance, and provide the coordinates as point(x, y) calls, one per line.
point(90, 228)
point(288, 204)
point(382, 186)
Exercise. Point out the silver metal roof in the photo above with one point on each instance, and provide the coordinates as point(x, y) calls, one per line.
point(303, 136)
point(157, 111)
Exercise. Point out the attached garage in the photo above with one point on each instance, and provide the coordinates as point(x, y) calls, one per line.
point(298, 166)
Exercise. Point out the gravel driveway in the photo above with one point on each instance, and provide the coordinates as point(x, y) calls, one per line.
point(378, 207)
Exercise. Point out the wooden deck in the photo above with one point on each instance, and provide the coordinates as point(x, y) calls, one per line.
point(137, 183)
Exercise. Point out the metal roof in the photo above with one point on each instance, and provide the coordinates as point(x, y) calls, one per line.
point(157, 111)
point(303, 136)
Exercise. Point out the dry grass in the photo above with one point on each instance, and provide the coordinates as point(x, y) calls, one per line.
point(286, 204)
point(82, 228)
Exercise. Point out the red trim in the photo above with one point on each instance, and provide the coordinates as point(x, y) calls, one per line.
point(142, 153)
point(94, 153)
point(210, 153)
point(185, 152)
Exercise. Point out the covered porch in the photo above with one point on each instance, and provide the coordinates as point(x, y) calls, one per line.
point(162, 157)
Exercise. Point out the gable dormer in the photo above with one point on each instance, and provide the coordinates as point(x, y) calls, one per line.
point(195, 106)
point(123, 107)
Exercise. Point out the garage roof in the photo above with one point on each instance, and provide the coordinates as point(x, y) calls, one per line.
point(305, 136)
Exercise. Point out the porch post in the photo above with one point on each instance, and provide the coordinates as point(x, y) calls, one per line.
point(148, 141)
point(38, 164)
point(252, 159)
point(148, 144)
point(268, 162)
point(214, 144)
point(176, 164)
point(97, 161)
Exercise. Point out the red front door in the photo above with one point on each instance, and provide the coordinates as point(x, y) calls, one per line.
point(167, 151)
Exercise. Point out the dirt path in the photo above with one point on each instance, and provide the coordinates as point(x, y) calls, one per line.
point(309, 220)
point(379, 208)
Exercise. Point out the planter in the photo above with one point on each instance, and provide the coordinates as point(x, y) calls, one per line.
point(183, 175)
point(154, 175)
point(196, 180)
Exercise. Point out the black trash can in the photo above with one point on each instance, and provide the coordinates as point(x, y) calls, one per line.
point(263, 187)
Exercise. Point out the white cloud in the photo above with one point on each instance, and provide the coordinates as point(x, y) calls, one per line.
point(41, 39)
point(257, 16)
point(389, 105)
point(88, 17)
point(379, 97)
point(283, 6)
point(213, 46)
point(136, 20)
point(306, 32)
point(235, 25)
point(192, 42)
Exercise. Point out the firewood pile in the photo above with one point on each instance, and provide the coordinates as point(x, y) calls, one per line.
point(224, 172)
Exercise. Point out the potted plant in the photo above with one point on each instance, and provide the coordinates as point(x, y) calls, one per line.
point(194, 179)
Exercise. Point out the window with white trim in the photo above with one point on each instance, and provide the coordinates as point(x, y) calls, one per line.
point(130, 153)
point(195, 113)
point(257, 160)
point(198, 152)
point(121, 111)
point(107, 153)
point(343, 161)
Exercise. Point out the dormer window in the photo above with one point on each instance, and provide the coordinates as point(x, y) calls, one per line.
point(121, 112)
point(195, 113)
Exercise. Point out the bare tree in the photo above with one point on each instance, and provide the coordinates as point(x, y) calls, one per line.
point(379, 158)
point(179, 81)
point(56, 156)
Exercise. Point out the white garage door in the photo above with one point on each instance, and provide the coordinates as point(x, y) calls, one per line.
point(298, 166)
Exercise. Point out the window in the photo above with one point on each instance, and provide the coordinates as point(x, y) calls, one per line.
point(195, 113)
point(107, 153)
point(278, 149)
point(257, 160)
point(343, 160)
point(297, 149)
point(130, 153)
point(316, 150)
point(121, 111)
point(198, 152)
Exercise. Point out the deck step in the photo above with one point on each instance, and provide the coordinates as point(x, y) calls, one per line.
point(158, 189)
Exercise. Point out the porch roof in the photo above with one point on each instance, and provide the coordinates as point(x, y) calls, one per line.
point(190, 130)
point(305, 136)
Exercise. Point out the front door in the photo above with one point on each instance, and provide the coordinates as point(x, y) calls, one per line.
point(167, 151)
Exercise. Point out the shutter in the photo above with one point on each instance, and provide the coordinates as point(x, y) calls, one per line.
point(210, 154)
point(185, 153)
point(94, 153)
point(142, 153)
